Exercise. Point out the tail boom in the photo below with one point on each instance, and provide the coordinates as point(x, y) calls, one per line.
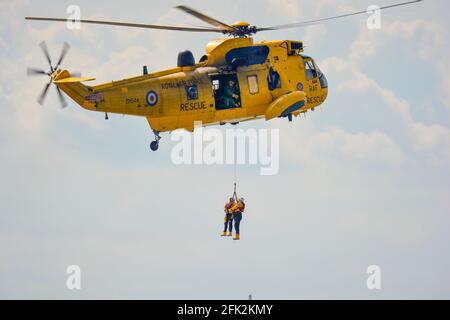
point(73, 87)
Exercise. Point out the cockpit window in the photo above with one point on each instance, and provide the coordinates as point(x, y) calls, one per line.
point(310, 68)
point(319, 73)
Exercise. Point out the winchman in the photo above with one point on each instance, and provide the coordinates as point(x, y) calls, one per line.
point(228, 219)
point(237, 209)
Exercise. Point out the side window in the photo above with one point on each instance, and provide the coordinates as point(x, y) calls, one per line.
point(273, 79)
point(192, 92)
point(253, 84)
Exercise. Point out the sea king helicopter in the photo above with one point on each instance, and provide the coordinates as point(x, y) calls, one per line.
point(237, 79)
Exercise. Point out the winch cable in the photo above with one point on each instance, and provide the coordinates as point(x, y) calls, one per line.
point(235, 181)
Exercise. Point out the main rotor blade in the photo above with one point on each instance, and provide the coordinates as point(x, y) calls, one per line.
point(44, 48)
point(34, 72)
point(205, 18)
point(62, 100)
point(44, 93)
point(127, 24)
point(64, 51)
point(310, 22)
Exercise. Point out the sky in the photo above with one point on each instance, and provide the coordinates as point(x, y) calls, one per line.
point(364, 180)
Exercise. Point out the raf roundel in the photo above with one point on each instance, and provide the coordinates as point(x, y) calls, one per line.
point(300, 86)
point(151, 98)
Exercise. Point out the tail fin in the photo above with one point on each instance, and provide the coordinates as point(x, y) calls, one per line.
point(73, 87)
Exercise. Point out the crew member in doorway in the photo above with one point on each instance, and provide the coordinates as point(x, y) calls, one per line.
point(237, 209)
point(228, 219)
point(230, 95)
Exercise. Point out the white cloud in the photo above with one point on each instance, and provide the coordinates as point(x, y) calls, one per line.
point(444, 71)
point(335, 145)
point(289, 8)
point(426, 39)
point(431, 140)
point(314, 34)
point(3, 44)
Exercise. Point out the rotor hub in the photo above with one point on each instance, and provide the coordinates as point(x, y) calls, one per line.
point(242, 29)
point(238, 24)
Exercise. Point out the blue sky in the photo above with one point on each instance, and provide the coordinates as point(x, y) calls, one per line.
point(364, 180)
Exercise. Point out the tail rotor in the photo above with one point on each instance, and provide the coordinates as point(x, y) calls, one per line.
point(50, 73)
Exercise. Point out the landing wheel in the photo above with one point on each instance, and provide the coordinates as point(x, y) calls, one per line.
point(154, 145)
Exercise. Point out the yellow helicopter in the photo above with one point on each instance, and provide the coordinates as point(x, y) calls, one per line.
point(236, 80)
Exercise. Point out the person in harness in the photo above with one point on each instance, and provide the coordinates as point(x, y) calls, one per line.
point(228, 219)
point(237, 209)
